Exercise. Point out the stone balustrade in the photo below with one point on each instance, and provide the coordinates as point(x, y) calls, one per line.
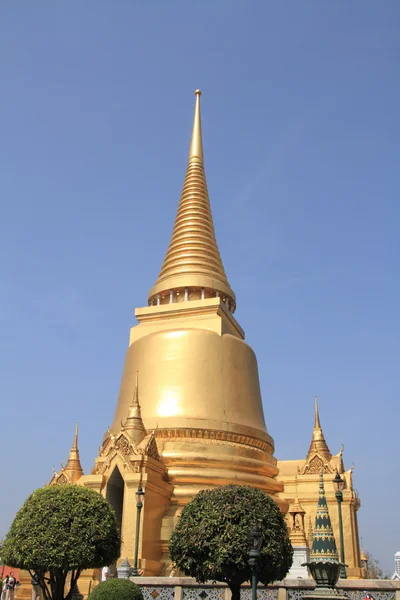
point(186, 588)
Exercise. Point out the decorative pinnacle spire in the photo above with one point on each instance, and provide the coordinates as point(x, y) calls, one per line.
point(73, 468)
point(134, 423)
point(323, 543)
point(193, 267)
point(318, 444)
point(75, 442)
point(317, 424)
point(196, 145)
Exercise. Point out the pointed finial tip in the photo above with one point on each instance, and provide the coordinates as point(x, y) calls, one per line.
point(198, 93)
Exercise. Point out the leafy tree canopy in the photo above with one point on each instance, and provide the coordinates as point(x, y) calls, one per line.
point(116, 589)
point(61, 529)
point(212, 538)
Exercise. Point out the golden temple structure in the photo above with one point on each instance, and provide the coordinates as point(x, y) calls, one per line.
point(189, 414)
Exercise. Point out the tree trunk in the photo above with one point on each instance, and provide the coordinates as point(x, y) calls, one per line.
point(235, 589)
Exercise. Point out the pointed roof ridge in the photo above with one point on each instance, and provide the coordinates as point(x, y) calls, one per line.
point(323, 542)
point(73, 468)
point(134, 423)
point(193, 260)
point(318, 444)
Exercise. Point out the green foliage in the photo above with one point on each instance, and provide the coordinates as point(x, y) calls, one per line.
point(116, 589)
point(212, 538)
point(61, 529)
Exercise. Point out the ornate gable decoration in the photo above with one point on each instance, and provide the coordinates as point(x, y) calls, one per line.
point(315, 464)
point(130, 453)
point(149, 447)
point(60, 478)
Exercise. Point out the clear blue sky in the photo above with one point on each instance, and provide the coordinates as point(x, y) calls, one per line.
point(301, 132)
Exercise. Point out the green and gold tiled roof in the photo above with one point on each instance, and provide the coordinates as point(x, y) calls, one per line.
point(323, 542)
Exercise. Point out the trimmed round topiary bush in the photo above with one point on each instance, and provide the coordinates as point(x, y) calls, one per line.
point(212, 540)
point(116, 589)
point(60, 531)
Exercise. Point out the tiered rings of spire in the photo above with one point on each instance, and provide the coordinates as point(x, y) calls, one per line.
point(193, 268)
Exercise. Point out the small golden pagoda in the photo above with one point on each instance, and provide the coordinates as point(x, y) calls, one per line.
point(189, 414)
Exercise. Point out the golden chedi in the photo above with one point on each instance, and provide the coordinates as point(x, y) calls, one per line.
point(198, 380)
point(189, 414)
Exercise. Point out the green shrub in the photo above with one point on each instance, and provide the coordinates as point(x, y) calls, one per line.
point(62, 530)
point(212, 540)
point(116, 589)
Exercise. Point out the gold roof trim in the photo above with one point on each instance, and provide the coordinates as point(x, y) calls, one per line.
point(193, 260)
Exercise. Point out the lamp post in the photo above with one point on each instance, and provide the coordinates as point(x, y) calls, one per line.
point(139, 506)
point(338, 484)
point(254, 555)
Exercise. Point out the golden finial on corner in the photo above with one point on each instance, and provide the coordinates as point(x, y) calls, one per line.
point(318, 444)
point(134, 423)
point(73, 467)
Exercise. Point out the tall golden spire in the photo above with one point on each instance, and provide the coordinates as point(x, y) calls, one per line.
point(134, 423)
point(318, 444)
point(73, 468)
point(193, 267)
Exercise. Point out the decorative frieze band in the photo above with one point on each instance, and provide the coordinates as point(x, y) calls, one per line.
point(216, 436)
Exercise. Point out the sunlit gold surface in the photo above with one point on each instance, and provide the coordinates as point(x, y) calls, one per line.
point(200, 393)
point(194, 378)
point(193, 260)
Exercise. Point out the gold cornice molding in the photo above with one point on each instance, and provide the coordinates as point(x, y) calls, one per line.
point(214, 436)
point(184, 310)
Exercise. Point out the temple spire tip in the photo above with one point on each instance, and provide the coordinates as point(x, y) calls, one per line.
point(75, 442)
point(317, 423)
point(196, 144)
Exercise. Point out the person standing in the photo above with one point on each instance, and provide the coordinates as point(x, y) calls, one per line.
point(12, 582)
point(35, 587)
point(4, 589)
